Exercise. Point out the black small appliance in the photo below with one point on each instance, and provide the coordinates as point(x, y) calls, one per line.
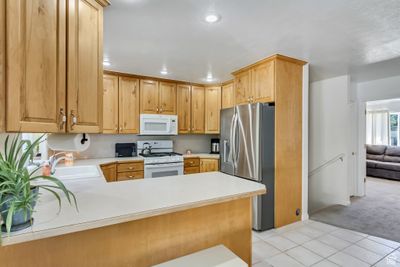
point(125, 150)
point(215, 146)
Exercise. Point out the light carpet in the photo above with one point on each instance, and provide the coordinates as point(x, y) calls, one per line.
point(378, 213)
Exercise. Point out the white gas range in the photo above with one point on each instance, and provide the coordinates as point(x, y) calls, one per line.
point(160, 159)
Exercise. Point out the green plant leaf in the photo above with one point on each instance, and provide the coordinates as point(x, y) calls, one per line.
point(10, 215)
point(55, 194)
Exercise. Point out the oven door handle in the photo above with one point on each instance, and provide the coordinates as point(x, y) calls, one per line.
point(159, 166)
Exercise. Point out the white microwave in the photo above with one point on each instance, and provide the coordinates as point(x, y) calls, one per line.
point(152, 124)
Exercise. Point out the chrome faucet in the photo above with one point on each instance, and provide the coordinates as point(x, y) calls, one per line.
point(53, 161)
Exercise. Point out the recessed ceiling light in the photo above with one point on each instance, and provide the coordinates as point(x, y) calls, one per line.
point(106, 63)
point(164, 72)
point(209, 78)
point(212, 18)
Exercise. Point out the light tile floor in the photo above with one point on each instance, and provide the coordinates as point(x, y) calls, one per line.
point(312, 243)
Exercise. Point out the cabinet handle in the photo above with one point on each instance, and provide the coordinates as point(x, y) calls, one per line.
point(120, 129)
point(130, 168)
point(74, 119)
point(161, 109)
point(63, 118)
point(157, 109)
point(130, 176)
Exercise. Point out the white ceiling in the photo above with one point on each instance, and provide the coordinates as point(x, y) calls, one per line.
point(336, 36)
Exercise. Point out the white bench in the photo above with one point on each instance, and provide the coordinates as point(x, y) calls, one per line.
point(218, 256)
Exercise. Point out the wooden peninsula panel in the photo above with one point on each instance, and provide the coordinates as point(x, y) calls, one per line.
point(142, 242)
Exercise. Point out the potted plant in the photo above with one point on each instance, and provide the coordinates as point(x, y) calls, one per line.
point(18, 192)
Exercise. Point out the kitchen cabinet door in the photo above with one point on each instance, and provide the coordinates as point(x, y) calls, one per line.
point(128, 105)
point(263, 82)
point(242, 88)
point(228, 95)
point(2, 66)
point(85, 66)
point(198, 115)
point(212, 109)
point(110, 104)
point(36, 65)
point(149, 97)
point(183, 108)
point(167, 101)
point(209, 165)
point(109, 171)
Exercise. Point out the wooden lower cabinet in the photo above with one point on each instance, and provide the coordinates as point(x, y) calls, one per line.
point(109, 171)
point(197, 165)
point(123, 176)
point(143, 242)
point(117, 171)
point(209, 165)
point(191, 165)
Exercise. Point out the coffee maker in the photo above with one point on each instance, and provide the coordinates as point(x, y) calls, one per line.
point(215, 146)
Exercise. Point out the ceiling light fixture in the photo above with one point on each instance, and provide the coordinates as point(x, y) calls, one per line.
point(212, 18)
point(106, 63)
point(209, 78)
point(164, 72)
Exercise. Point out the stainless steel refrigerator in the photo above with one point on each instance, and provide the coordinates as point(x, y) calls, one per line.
point(247, 151)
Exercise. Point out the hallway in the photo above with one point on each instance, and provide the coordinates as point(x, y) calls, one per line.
point(375, 214)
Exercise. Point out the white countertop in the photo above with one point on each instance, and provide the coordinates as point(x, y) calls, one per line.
point(201, 155)
point(102, 204)
point(104, 160)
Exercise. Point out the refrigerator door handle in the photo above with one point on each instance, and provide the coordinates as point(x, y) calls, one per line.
point(232, 142)
point(225, 147)
point(234, 147)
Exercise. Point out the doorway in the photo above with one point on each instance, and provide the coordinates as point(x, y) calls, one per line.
point(376, 212)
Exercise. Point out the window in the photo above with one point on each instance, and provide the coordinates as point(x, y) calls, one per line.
point(394, 122)
point(41, 152)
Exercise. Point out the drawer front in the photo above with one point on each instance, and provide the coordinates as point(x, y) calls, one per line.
point(122, 176)
point(192, 162)
point(130, 167)
point(189, 170)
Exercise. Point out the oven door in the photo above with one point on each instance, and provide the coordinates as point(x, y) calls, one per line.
point(162, 170)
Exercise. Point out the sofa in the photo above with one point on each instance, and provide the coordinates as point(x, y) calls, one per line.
point(383, 161)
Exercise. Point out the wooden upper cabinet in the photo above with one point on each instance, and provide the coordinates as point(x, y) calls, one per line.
point(183, 106)
point(167, 98)
point(228, 95)
point(212, 109)
point(263, 82)
point(242, 87)
point(149, 97)
point(110, 104)
point(198, 115)
point(2, 66)
point(85, 66)
point(128, 105)
point(36, 65)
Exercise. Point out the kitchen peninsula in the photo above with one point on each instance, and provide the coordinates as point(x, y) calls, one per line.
point(138, 222)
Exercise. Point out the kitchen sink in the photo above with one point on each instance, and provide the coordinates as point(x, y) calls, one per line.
point(76, 172)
